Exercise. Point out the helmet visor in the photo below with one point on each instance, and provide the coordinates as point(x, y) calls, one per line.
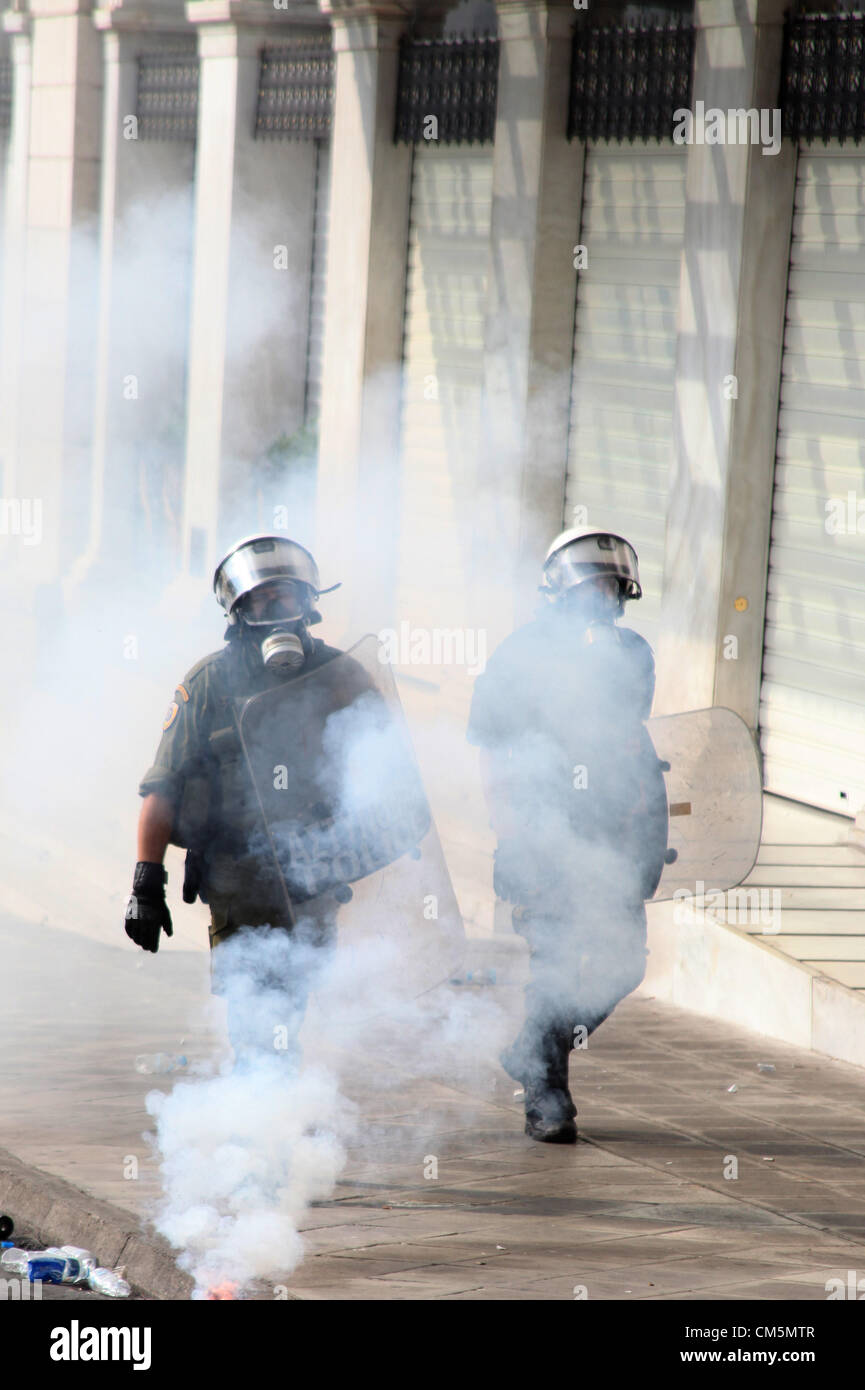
point(277, 600)
point(590, 556)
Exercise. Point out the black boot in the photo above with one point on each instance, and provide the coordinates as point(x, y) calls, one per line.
point(550, 1115)
point(538, 1059)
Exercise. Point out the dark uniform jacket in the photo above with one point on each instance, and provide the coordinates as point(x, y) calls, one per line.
point(198, 769)
point(565, 709)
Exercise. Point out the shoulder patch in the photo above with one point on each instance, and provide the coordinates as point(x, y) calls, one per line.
point(183, 693)
point(170, 715)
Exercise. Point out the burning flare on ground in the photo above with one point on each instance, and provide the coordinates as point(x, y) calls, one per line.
point(220, 1292)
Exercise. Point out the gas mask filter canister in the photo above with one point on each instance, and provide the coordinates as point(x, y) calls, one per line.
point(283, 650)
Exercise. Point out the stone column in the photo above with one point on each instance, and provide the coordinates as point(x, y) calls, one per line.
point(731, 320)
point(17, 545)
point(17, 26)
point(47, 421)
point(254, 202)
point(537, 184)
point(6, 60)
point(359, 440)
point(144, 250)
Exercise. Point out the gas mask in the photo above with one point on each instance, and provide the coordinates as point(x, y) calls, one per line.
point(597, 604)
point(593, 605)
point(280, 634)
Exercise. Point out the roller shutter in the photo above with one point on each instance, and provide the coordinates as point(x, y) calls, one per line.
point(812, 711)
point(620, 444)
point(448, 250)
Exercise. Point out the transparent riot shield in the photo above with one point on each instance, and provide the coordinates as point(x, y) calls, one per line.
point(715, 799)
point(344, 811)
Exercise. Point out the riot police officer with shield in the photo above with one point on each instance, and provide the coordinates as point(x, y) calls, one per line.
point(576, 796)
point(197, 795)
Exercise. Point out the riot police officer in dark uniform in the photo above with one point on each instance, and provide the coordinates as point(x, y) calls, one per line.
point(198, 795)
point(577, 799)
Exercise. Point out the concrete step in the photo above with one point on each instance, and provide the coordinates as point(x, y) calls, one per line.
point(821, 896)
point(790, 822)
point(850, 973)
point(834, 855)
point(794, 921)
point(808, 875)
point(821, 948)
point(794, 852)
point(805, 984)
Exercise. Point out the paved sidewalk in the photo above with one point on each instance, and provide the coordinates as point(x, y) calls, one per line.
point(639, 1209)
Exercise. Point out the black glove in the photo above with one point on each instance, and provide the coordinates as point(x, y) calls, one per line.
point(147, 910)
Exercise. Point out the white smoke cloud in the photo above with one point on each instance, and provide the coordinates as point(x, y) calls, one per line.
point(243, 1156)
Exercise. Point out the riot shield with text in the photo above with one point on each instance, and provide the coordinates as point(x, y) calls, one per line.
point(343, 804)
point(715, 800)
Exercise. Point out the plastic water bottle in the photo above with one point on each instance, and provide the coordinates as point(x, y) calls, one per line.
point(159, 1064)
point(109, 1282)
point(65, 1264)
point(475, 977)
point(57, 1264)
point(53, 1267)
point(83, 1257)
point(15, 1261)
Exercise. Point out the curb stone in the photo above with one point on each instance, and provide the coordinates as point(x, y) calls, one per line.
point(63, 1214)
point(66, 1215)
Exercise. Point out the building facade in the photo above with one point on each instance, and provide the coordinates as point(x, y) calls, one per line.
point(423, 284)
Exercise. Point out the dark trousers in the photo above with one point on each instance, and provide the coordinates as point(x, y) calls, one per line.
point(583, 962)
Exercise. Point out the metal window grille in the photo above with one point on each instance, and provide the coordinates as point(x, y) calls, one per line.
point(168, 95)
point(453, 80)
point(5, 93)
point(822, 81)
point(295, 89)
point(626, 83)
